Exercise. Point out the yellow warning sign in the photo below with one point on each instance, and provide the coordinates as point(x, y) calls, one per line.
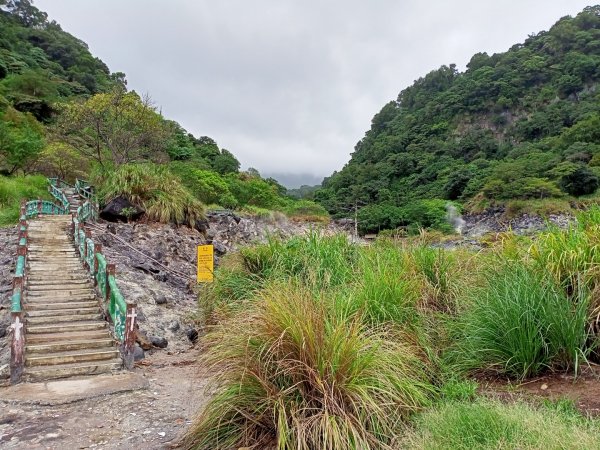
point(205, 263)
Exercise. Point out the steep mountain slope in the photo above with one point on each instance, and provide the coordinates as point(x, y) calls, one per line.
point(523, 124)
point(63, 113)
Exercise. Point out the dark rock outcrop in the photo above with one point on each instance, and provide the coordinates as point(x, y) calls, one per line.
point(119, 209)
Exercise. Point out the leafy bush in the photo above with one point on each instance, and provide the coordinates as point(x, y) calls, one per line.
point(581, 182)
point(520, 324)
point(297, 373)
point(153, 188)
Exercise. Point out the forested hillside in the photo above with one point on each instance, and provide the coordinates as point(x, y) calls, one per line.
point(63, 113)
point(515, 126)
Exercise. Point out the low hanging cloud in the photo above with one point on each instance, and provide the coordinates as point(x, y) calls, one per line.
point(291, 86)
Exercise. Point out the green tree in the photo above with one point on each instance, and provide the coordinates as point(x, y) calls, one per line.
point(116, 128)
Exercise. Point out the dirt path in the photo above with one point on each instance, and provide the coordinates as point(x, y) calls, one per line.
point(583, 391)
point(152, 418)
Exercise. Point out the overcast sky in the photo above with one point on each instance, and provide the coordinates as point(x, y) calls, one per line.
point(291, 86)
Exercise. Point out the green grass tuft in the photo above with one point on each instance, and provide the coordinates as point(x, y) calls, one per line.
point(297, 373)
point(520, 324)
point(155, 189)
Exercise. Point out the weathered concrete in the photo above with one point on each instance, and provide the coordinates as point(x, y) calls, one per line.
point(67, 391)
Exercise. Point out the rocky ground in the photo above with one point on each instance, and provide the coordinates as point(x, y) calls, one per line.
point(494, 221)
point(152, 418)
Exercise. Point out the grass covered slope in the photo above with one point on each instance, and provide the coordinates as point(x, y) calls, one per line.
point(520, 125)
point(320, 343)
point(15, 189)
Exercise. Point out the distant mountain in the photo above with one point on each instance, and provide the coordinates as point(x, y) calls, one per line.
point(295, 180)
point(524, 124)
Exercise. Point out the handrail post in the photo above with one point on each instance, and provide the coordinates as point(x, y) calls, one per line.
point(97, 250)
point(88, 235)
point(127, 348)
point(79, 226)
point(110, 270)
point(17, 347)
point(39, 207)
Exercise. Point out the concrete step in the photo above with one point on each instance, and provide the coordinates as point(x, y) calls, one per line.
point(65, 291)
point(35, 307)
point(46, 270)
point(68, 266)
point(41, 278)
point(64, 318)
point(67, 310)
point(65, 336)
point(63, 346)
point(58, 284)
point(67, 327)
point(42, 373)
point(59, 297)
point(70, 357)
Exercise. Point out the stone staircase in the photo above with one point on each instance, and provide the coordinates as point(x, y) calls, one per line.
point(66, 332)
point(74, 199)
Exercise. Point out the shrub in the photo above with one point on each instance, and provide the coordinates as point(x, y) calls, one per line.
point(580, 182)
point(153, 188)
point(521, 324)
point(297, 374)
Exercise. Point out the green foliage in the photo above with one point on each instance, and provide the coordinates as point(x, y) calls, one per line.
point(418, 214)
point(521, 323)
point(493, 424)
point(21, 141)
point(325, 381)
point(502, 128)
point(15, 189)
point(154, 189)
point(581, 181)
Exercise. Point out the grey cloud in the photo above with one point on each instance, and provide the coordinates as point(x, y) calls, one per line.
point(291, 86)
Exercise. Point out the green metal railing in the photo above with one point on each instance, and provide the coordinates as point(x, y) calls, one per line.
point(84, 189)
point(87, 212)
point(59, 195)
point(121, 313)
point(59, 183)
point(17, 327)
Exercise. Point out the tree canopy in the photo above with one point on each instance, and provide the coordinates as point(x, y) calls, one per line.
point(502, 129)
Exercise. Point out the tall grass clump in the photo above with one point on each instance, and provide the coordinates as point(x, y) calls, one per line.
point(155, 189)
point(491, 424)
point(520, 324)
point(438, 269)
point(296, 373)
point(318, 260)
point(383, 289)
point(571, 255)
point(15, 189)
